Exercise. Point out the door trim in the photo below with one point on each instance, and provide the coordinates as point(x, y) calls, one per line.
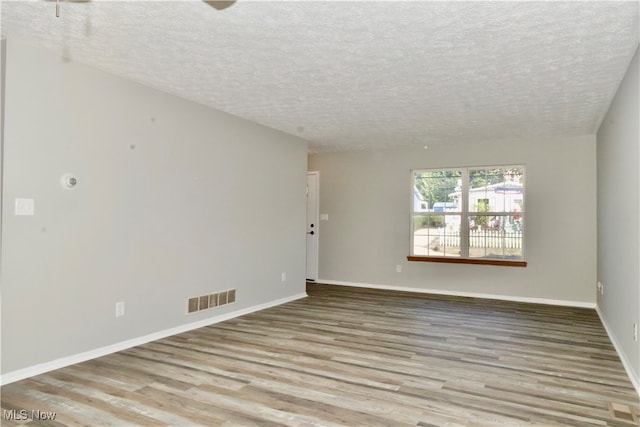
point(314, 276)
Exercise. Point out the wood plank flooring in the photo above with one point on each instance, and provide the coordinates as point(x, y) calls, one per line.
point(352, 357)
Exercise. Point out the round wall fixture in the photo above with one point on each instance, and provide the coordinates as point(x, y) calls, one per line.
point(68, 181)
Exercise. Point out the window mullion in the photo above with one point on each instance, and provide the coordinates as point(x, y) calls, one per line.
point(464, 215)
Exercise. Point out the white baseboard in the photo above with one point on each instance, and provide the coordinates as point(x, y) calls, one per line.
point(41, 368)
point(566, 303)
point(623, 358)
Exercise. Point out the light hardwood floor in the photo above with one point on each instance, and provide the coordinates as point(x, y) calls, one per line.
point(354, 357)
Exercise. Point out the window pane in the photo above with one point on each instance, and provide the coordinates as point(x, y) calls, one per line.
point(450, 236)
point(422, 232)
point(497, 237)
point(437, 191)
point(496, 189)
point(436, 235)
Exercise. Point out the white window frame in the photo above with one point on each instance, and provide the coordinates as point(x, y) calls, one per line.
point(465, 214)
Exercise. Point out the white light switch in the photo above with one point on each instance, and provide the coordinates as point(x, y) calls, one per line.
point(25, 207)
point(324, 217)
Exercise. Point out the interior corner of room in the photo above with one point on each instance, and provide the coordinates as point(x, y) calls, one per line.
point(575, 229)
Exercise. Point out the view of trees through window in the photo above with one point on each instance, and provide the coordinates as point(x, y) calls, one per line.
point(469, 212)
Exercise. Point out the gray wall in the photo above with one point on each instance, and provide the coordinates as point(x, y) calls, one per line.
point(619, 216)
point(367, 195)
point(3, 51)
point(205, 202)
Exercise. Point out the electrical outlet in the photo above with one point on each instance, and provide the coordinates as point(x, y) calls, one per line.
point(283, 277)
point(398, 268)
point(120, 309)
point(600, 288)
point(635, 331)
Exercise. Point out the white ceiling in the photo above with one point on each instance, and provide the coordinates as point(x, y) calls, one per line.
point(352, 75)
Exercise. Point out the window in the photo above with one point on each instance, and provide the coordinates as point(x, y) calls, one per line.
point(472, 215)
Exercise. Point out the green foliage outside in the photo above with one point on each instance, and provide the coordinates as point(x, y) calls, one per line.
point(435, 186)
point(427, 221)
point(483, 177)
point(483, 206)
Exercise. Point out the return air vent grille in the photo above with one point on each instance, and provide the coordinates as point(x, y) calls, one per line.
point(205, 302)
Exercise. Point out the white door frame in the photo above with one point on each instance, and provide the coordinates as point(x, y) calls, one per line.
point(313, 218)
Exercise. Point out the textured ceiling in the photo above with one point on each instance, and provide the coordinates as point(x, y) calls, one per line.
point(352, 75)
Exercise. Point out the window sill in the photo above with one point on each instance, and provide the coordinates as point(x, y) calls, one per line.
point(500, 262)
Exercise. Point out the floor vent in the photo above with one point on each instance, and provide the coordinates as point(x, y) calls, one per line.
point(206, 302)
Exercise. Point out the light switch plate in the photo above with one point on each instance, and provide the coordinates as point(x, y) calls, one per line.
point(25, 207)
